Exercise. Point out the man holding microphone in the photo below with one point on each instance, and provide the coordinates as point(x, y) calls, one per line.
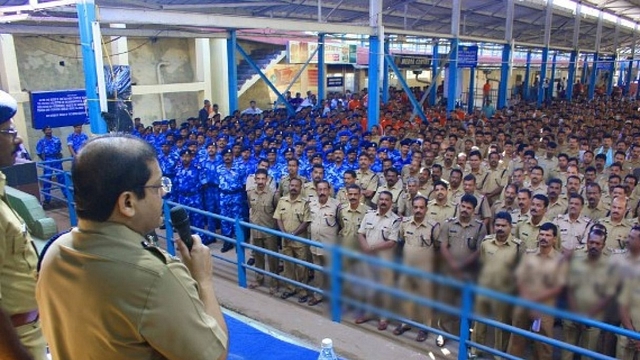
point(103, 292)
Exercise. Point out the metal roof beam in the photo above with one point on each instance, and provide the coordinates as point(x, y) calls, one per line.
point(175, 18)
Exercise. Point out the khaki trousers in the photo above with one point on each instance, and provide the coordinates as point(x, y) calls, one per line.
point(269, 243)
point(294, 271)
point(496, 310)
point(586, 339)
point(518, 344)
point(31, 337)
point(419, 258)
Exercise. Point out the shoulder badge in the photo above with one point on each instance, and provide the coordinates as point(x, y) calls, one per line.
point(531, 251)
point(517, 241)
point(406, 219)
point(479, 221)
point(451, 219)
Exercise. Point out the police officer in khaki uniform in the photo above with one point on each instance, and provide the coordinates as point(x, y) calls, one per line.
point(134, 296)
point(499, 255)
point(589, 292)
point(459, 243)
point(18, 257)
point(440, 208)
point(377, 236)
point(594, 210)
point(573, 227)
point(350, 217)
point(482, 211)
point(323, 228)
point(527, 230)
point(496, 180)
point(392, 186)
point(349, 178)
point(366, 179)
point(405, 207)
point(419, 235)
point(455, 186)
point(557, 204)
point(293, 217)
point(540, 277)
point(251, 179)
point(508, 203)
point(262, 205)
point(617, 227)
point(293, 166)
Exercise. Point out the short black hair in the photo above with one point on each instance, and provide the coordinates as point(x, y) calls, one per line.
point(542, 198)
point(467, 198)
point(504, 216)
point(549, 226)
point(106, 167)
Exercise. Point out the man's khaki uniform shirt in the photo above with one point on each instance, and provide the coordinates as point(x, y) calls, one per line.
point(102, 294)
point(293, 213)
point(497, 262)
point(324, 223)
point(262, 205)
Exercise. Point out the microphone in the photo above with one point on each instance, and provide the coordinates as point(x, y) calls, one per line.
point(180, 221)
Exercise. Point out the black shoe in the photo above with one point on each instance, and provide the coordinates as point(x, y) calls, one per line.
point(251, 262)
point(227, 247)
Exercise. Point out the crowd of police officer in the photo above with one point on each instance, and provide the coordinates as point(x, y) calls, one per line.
point(539, 203)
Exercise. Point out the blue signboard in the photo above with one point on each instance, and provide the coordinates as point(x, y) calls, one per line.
point(467, 56)
point(58, 108)
point(605, 63)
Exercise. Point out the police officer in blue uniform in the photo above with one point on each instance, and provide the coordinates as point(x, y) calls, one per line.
point(49, 148)
point(189, 180)
point(232, 180)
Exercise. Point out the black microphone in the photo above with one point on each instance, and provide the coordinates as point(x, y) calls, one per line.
point(180, 221)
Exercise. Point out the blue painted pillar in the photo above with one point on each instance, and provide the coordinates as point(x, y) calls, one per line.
point(571, 79)
point(433, 95)
point(321, 69)
point(373, 108)
point(542, 96)
point(593, 77)
point(504, 76)
point(627, 87)
point(86, 16)
point(385, 75)
point(613, 70)
point(453, 76)
point(232, 71)
point(472, 88)
point(527, 77)
point(552, 78)
point(585, 67)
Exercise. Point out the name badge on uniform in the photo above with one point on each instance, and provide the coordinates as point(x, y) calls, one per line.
point(23, 229)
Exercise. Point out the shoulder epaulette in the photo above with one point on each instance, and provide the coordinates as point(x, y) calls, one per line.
point(517, 241)
point(406, 219)
point(164, 256)
point(451, 219)
point(479, 221)
point(531, 251)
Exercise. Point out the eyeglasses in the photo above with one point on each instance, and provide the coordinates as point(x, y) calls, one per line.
point(11, 132)
point(165, 185)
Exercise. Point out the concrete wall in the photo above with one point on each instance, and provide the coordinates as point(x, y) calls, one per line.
point(144, 58)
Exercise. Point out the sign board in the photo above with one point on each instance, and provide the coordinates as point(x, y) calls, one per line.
point(58, 108)
point(605, 63)
point(467, 56)
point(412, 62)
point(335, 81)
point(298, 52)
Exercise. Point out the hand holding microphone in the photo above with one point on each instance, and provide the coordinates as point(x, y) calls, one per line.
point(195, 255)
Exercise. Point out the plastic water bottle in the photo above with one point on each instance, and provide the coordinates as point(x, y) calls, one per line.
point(326, 351)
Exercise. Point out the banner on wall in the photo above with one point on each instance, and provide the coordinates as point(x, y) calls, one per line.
point(61, 108)
point(58, 108)
point(605, 63)
point(298, 52)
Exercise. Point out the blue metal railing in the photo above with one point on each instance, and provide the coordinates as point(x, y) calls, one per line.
point(337, 299)
point(52, 169)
